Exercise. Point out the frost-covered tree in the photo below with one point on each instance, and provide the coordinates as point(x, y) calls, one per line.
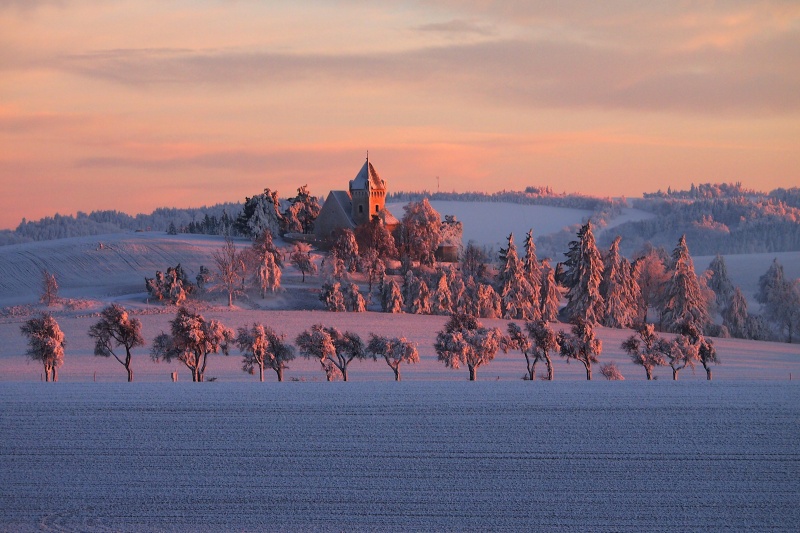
point(780, 300)
point(49, 293)
point(267, 275)
point(304, 209)
point(581, 345)
point(331, 295)
point(345, 248)
point(260, 213)
point(230, 268)
point(684, 303)
point(418, 301)
point(474, 262)
point(611, 372)
point(684, 349)
point(517, 297)
point(46, 343)
point(442, 301)
point(174, 286)
point(719, 282)
point(117, 329)
point(420, 232)
point(203, 278)
point(191, 340)
point(485, 301)
point(353, 301)
point(647, 349)
point(707, 354)
point(735, 317)
point(262, 347)
point(394, 351)
point(391, 298)
point(465, 341)
point(583, 271)
point(373, 267)
point(536, 346)
point(533, 271)
point(458, 292)
point(300, 256)
point(550, 293)
point(651, 275)
point(334, 350)
point(619, 290)
point(375, 236)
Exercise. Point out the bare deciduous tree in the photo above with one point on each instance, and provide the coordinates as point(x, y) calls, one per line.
point(262, 347)
point(191, 339)
point(45, 343)
point(117, 329)
point(464, 340)
point(334, 349)
point(231, 266)
point(647, 349)
point(581, 345)
point(49, 294)
point(394, 351)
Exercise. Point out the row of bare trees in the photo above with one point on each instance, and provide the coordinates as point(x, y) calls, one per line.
point(462, 341)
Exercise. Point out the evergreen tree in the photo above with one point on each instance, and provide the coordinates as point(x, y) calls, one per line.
point(331, 295)
point(391, 298)
point(735, 316)
point(533, 271)
point(550, 293)
point(419, 297)
point(684, 303)
point(719, 282)
point(442, 301)
point(302, 212)
point(780, 300)
point(517, 297)
point(420, 232)
point(353, 301)
point(618, 289)
point(582, 276)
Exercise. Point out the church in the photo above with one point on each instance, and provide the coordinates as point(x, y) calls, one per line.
point(366, 197)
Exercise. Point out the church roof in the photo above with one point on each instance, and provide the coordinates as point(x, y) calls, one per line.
point(367, 179)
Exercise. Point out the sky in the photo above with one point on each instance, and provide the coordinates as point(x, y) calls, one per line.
point(137, 104)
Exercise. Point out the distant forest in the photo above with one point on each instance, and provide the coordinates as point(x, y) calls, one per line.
point(716, 218)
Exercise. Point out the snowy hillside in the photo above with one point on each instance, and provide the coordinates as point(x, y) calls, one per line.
point(489, 223)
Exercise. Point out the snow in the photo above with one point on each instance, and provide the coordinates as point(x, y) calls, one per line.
point(570, 456)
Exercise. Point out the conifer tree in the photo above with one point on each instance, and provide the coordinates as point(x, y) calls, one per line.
point(735, 316)
point(353, 301)
point(780, 300)
point(442, 301)
point(517, 298)
point(391, 298)
point(550, 293)
point(618, 289)
point(719, 282)
point(684, 304)
point(331, 295)
point(533, 271)
point(582, 276)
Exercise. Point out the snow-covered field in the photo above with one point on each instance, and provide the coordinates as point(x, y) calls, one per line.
point(485, 456)
point(433, 452)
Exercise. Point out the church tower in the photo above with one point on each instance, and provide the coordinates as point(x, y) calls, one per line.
point(367, 193)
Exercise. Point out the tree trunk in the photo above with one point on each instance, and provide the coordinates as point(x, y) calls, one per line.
point(473, 373)
point(708, 373)
point(261, 373)
point(396, 370)
point(588, 371)
point(130, 373)
point(279, 371)
point(55, 373)
point(46, 374)
point(549, 363)
point(344, 373)
point(230, 299)
point(674, 374)
point(649, 373)
point(304, 275)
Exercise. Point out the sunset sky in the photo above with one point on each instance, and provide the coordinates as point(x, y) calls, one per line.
point(137, 104)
